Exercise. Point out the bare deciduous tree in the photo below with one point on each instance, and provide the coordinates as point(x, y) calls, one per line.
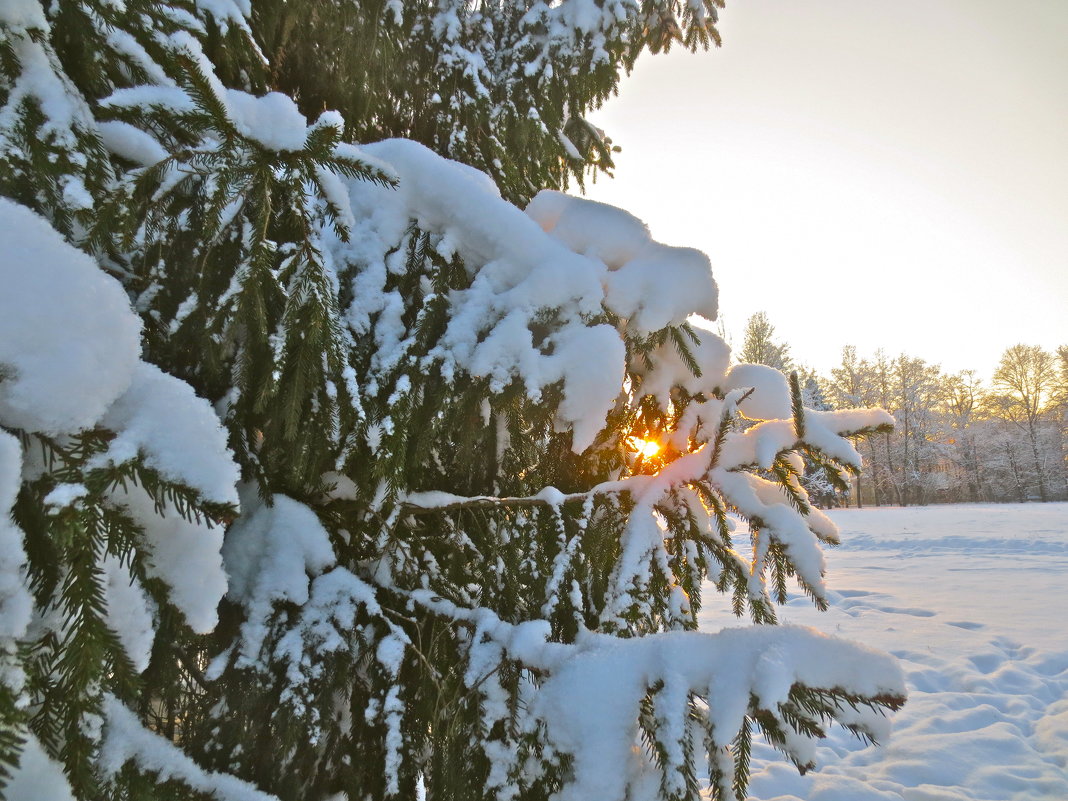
point(1026, 379)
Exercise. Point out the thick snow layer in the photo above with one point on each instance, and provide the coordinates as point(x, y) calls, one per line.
point(69, 341)
point(272, 120)
point(178, 434)
point(38, 776)
point(147, 96)
point(597, 230)
point(565, 254)
point(24, 14)
point(585, 380)
point(272, 553)
point(131, 143)
point(970, 599)
point(770, 399)
point(650, 284)
point(129, 611)
point(15, 601)
point(186, 554)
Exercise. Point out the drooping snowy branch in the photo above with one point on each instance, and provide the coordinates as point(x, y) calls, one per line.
point(126, 740)
point(590, 693)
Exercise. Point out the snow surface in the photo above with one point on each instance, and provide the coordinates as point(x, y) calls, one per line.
point(178, 434)
point(38, 777)
point(69, 341)
point(971, 600)
point(186, 554)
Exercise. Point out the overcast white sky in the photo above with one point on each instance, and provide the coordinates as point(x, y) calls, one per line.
point(867, 172)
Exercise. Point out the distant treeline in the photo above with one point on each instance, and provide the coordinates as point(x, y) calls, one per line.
point(957, 438)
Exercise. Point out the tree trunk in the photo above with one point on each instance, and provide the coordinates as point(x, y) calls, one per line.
point(1020, 492)
point(890, 469)
point(875, 482)
point(1039, 474)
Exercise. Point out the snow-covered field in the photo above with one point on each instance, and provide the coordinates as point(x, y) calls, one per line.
point(973, 600)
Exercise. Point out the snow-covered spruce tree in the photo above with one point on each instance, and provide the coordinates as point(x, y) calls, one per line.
point(460, 563)
point(471, 598)
point(115, 479)
point(112, 475)
point(503, 85)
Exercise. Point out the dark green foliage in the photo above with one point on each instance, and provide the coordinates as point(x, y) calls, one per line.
point(229, 270)
point(495, 84)
point(75, 657)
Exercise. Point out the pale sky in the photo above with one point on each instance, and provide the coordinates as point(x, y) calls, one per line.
point(883, 174)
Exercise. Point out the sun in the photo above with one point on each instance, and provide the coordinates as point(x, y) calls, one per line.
point(648, 448)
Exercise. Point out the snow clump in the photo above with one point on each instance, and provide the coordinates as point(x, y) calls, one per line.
point(69, 341)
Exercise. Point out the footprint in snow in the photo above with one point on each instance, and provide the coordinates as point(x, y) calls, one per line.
point(855, 593)
point(899, 610)
point(987, 663)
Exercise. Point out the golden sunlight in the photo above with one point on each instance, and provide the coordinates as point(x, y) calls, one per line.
point(648, 448)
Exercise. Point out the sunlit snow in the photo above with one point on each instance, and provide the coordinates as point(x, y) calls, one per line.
point(971, 600)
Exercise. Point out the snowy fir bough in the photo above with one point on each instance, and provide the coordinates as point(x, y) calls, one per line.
point(474, 460)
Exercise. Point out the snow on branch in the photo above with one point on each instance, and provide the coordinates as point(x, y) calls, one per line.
point(523, 268)
point(788, 680)
point(757, 447)
point(127, 741)
point(786, 529)
point(590, 702)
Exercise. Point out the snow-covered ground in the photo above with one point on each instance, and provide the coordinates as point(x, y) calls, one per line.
point(973, 600)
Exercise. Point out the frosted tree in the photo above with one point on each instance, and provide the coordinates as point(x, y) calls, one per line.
point(503, 85)
point(962, 400)
point(1024, 380)
point(760, 347)
point(1061, 392)
point(851, 386)
point(488, 454)
point(917, 394)
point(1061, 399)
